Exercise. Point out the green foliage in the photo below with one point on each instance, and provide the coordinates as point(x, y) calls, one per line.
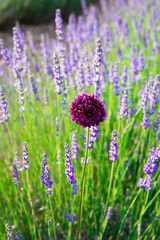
point(36, 11)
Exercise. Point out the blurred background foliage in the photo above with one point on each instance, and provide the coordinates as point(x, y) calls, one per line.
point(35, 11)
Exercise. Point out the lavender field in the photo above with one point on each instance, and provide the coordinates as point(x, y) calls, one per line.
point(80, 127)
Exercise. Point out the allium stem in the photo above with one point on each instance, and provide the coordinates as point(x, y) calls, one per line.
point(82, 187)
point(130, 206)
point(53, 221)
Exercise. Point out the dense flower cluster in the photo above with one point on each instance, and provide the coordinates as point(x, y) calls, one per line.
point(113, 147)
point(45, 177)
point(87, 110)
point(71, 177)
point(74, 148)
point(25, 156)
point(150, 167)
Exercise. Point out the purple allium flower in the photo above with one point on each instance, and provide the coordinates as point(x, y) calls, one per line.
point(25, 156)
point(113, 147)
point(59, 26)
point(17, 162)
point(109, 213)
point(18, 237)
point(15, 176)
point(45, 177)
point(71, 177)
point(74, 148)
point(124, 105)
point(57, 126)
point(87, 110)
point(145, 124)
point(157, 122)
point(45, 96)
point(71, 219)
point(9, 232)
point(4, 115)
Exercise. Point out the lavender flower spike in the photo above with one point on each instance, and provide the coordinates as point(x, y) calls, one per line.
point(18, 237)
point(4, 115)
point(74, 148)
point(109, 213)
point(145, 124)
point(15, 176)
point(58, 78)
point(113, 147)
point(45, 177)
point(59, 26)
point(17, 162)
point(9, 232)
point(71, 177)
point(25, 156)
point(124, 105)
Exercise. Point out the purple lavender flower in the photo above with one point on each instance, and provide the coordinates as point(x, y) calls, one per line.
point(71, 177)
point(57, 126)
point(113, 147)
point(124, 76)
point(17, 46)
point(109, 213)
point(146, 184)
point(157, 123)
point(58, 156)
point(15, 176)
point(18, 237)
point(32, 81)
point(25, 156)
point(4, 115)
point(71, 219)
point(9, 232)
point(132, 110)
point(59, 26)
point(145, 123)
point(154, 96)
point(80, 75)
point(17, 162)
point(45, 96)
point(124, 105)
point(116, 89)
point(88, 110)
point(45, 177)
point(87, 162)
point(141, 62)
point(150, 167)
point(74, 148)
point(97, 64)
point(93, 136)
point(4, 53)
point(20, 92)
point(58, 78)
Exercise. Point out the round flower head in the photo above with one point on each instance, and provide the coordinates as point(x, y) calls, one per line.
point(88, 110)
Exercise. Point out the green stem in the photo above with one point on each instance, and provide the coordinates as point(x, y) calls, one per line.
point(53, 221)
point(130, 206)
point(109, 190)
point(30, 200)
point(82, 187)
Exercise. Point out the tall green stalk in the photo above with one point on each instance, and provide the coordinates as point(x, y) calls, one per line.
point(82, 187)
